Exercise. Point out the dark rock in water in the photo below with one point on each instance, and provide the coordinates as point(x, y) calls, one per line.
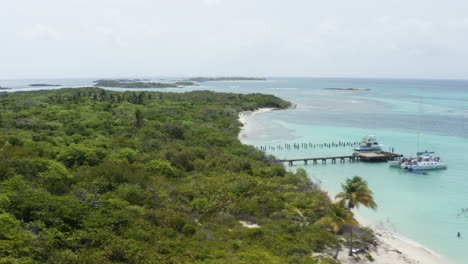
point(44, 85)
point(349, 89)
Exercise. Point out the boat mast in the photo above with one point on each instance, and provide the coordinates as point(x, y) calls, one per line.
point(419, 123)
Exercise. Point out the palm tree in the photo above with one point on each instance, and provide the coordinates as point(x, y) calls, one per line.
point(338, 216)
point(138, 118)
point(355, 193)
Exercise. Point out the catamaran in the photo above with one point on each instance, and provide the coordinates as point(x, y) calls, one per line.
point(424, 161)
point(368, 143)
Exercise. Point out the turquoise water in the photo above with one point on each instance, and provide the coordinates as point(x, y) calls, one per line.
point(423, 208)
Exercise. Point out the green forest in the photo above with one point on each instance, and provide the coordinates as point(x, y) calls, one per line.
point(93, 176)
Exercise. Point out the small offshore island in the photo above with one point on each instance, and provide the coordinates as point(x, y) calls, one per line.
point(124, 80)
point(44, 85)
point(348, 89)
point(218, 79)
point(140, 84)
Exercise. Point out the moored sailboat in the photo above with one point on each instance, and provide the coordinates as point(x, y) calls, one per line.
point(424, 161)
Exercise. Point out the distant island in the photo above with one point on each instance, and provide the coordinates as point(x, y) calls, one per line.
point(125, 84)
point(185, 83)
point(214, 79)
point(4, 88)
point(44, 85)
point(349, 89)
point(123, 80)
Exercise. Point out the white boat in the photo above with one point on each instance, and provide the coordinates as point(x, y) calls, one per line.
point(368, 143)
point(423, 161)
point(394, 163)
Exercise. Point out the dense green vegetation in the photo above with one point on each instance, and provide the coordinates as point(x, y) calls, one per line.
point(210, 79)
point(93, 176)
point(125, 84)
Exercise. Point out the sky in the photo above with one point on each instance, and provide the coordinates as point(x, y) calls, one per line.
point(303, 38)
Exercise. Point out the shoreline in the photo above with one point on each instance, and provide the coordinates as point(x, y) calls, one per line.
point(244, 115)
point(393, 248)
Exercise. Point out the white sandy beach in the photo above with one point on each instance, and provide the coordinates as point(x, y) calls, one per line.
point(244, 118)
point(392, 248)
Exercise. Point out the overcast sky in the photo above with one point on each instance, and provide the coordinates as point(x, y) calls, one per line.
point(136, 38)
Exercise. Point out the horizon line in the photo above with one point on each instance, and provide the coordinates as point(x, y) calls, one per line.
point(237, 75)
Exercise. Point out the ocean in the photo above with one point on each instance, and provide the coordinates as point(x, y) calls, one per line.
point(406, 115)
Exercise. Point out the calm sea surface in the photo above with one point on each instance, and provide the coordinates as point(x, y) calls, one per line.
point(424, 208)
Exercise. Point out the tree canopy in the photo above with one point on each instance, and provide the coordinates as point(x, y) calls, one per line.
point(93, 176)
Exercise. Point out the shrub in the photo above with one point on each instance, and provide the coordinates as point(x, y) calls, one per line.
point(161, 167)
point(189, 229)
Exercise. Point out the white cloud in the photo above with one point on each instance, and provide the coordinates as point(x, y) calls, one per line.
point(213, 3)
point(112, 36)
point(42, 32)
point(254, 37)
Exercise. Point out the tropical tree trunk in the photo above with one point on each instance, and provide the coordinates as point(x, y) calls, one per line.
point(351, 243)
point(337, 246)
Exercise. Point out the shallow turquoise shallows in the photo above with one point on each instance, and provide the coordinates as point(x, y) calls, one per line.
point(401, 113)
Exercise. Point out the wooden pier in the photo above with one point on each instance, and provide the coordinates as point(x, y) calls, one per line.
point(377, 156)
point(358, 156)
